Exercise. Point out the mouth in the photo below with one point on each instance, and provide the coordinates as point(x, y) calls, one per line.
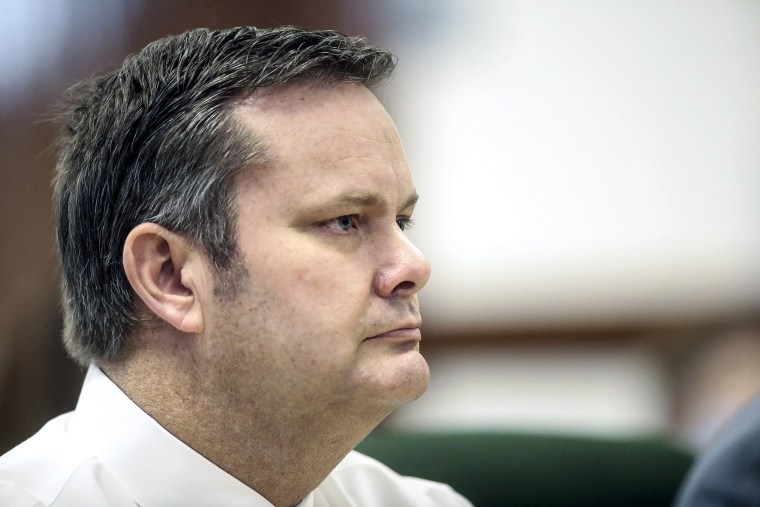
point(404, 333)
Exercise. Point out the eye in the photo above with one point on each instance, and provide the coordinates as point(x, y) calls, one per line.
point(404, 223)
point(343, 223)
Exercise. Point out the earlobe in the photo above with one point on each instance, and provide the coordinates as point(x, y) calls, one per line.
point(166, 275)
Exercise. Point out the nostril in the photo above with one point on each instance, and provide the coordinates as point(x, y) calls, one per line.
point(404, 286)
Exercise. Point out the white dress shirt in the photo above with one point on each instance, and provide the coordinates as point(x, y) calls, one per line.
point(108, 452)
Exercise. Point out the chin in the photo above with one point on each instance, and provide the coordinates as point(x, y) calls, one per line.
point(408, 382)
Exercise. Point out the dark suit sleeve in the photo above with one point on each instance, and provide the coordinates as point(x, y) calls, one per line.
point(728, 473)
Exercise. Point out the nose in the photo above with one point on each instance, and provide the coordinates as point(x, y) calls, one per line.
point(403, 271)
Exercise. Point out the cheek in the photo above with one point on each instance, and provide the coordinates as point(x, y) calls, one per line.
point(331, 289)
point(330, 275)
point(332, 302)
point(314, 286)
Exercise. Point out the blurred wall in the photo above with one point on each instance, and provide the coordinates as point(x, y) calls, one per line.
point(584, 162)
point(589, 175)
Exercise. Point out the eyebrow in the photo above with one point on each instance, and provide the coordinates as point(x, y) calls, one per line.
point(412, 200)
point(361, 198)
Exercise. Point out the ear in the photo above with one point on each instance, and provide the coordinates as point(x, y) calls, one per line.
point(167, 274)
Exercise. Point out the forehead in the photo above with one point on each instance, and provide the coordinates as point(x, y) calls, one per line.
point(294, 117)
point(319, 136)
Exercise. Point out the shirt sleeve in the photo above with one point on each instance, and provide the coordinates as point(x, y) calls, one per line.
point(13, 496)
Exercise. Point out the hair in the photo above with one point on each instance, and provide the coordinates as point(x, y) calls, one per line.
point(156, 140)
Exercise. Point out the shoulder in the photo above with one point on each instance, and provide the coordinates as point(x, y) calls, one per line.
point(37, 468)
point(361, 480)
point(50, 468)
point(729, 470)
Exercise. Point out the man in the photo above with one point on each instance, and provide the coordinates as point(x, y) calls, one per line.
point(728, 474)
point(231, 213)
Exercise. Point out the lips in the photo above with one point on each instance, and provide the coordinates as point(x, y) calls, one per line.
point(404, 332)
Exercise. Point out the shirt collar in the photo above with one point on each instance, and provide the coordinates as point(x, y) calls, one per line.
point(156, 467)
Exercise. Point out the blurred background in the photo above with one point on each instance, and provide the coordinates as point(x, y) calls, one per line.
point(589, 173)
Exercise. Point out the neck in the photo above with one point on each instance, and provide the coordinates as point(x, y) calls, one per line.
point(281, 452)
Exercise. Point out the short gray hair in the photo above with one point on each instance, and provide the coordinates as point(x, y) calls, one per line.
point(155, 141)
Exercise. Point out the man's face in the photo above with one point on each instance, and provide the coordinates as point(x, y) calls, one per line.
point(328, 313)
